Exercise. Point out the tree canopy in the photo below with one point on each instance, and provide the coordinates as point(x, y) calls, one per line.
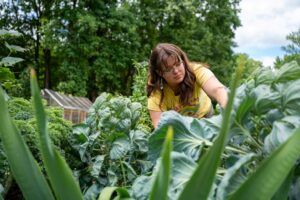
point(292, 49)
point(87, 47)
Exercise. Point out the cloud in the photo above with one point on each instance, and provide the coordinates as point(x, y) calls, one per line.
point(265, 24)
point(267, 60)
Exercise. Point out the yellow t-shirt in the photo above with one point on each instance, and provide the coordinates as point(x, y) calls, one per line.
point(200, 104)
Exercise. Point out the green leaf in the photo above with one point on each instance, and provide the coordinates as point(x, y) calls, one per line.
point(14, 48)
point(120, 147)
point(3, 32)
point(244, 108)
point(281, 131)
point(60, 175)
point(108, 193)
point(266, 180)
point(92, 192)
point(283, 191)
point(112, 176)
point(11, 33)
point(161, 183)
point(294, 189)
point(24, 168)
point(234, 177)
point(182, 169)
point(205, 173)
point(189, 134)
point(289, 71)
point(6, 74)
point(141, 187)
point(97, 165)
point(263, 75)
point(265, 98)
point(10, 61)
point(135, 108)
point(139, 140)
point(291, 97)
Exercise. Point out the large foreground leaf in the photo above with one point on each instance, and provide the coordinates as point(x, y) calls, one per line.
point(60, 175)
point(270, 175)
point(24, 168)
point(161, 183)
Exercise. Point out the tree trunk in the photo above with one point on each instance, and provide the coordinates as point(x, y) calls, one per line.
point(37, 55)
point(47, 59)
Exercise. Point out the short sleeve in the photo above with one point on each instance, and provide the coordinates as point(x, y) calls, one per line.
point(202, 74)
point(153, 102)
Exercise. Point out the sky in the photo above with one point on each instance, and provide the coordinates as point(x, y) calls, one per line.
point(265, 25)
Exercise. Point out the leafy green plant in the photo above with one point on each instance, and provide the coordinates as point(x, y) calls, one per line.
point(110, 145)
point(139, 94)
point(7, 78)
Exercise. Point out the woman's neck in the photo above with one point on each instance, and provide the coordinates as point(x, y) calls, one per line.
point(175, 89)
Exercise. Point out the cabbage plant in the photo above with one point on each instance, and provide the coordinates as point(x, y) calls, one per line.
point(110, 144)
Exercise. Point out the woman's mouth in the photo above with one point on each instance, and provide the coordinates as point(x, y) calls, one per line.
point(177, 77)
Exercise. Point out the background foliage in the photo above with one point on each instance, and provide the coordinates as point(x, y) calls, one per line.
point(87, 47)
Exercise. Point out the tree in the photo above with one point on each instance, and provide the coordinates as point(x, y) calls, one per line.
point(292, 50)
point(25, 17)
point(96, 42)
point(249, 64)
point(294, 46)
point(204, 29)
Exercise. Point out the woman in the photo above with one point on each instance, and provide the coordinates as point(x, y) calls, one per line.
point(176, 84)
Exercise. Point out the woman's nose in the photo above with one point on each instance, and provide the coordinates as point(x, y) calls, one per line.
point(175, 70)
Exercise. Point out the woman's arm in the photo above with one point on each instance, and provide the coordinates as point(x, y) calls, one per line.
point(155, 117)
point(216, 90)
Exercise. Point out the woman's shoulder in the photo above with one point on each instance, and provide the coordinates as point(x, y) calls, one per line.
point(202, 72)
point(155, 94)
point(198, 65)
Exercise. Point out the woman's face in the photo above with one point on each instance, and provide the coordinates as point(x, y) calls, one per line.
point(173, 72)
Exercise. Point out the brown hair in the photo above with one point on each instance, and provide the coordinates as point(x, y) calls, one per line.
point(157, 62)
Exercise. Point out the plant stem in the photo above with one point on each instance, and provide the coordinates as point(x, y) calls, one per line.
point(209, 143)
point(247, 133)
point(123, 172)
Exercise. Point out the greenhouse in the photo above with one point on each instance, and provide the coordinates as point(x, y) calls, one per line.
point(75, 108)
